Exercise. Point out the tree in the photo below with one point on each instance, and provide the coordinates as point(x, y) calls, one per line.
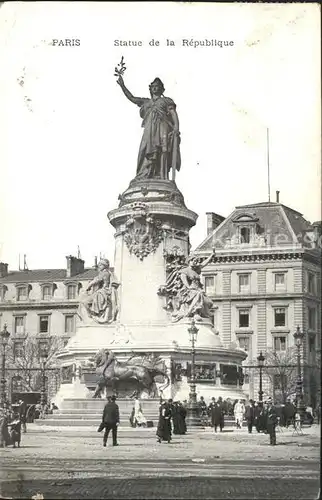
point(23, 359)
point(281, 369)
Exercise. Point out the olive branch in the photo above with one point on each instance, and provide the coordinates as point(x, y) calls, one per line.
point(120, 68)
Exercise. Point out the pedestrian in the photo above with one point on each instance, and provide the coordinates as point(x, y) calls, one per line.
point(164, 424)
point(138, 418)
point(15, 430)
point(110, 420)
point(182, 420)
point(4, 433)
point(215, 414)
point(23, 415)
point(250, 415)
point(239, 411)
point(203, 413)
point(179, 418)
point(271, 422)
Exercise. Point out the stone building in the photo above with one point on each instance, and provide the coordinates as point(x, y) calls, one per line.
point(265, 281)
point(39, 308)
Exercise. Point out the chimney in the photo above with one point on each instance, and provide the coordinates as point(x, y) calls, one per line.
point(277, 196)
point(74, 266)
point(95, 262)
point(3, 269)
point(213, 221)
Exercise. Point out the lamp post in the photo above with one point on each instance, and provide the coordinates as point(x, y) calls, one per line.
point(298, 337)
point(43, 359)
point(4, 342)
point(260, 360)
point(193, 418)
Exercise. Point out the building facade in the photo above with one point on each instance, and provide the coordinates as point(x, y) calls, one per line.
point(265, 281)
point(39, 308)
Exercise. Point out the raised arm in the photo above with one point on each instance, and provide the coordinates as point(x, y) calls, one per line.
point(136, 100)
point(208, 259)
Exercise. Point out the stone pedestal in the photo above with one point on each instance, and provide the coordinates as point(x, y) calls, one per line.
point(150, 222)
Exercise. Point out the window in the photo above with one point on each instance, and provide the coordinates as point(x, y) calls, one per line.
point(311, 283)
point(244, 282)
point(18, 349)
point(210, 285)
point(243, 318)
point(279, 281)
point(244, 235)
point(3, 291)
point(312, 318)
point(69, 323)
point(43, 324)
point(311, 344)
point(244, 343)
point(46, 292)
point(280, 343)
point(71, 292)
point(279, 316)
point(19, 325)
point(279, 381)
point(22, 293)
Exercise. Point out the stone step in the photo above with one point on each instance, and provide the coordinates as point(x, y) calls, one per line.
point(77, 411)
point(95, 416)
point(79, 422)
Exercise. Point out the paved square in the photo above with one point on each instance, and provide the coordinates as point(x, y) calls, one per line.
point(72, 463)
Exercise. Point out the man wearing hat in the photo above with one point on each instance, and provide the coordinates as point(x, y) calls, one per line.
point(271, 421)
point(110, 420)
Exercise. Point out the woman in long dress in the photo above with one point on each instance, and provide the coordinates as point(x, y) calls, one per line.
point(164, 424)
point(139, 418)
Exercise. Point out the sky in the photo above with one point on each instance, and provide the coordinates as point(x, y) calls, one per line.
point(69, 138)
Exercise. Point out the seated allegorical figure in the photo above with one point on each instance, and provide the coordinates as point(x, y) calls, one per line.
point(101, 300)
point(192, 299)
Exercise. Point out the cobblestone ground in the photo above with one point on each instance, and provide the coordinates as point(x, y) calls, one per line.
point(71, 463)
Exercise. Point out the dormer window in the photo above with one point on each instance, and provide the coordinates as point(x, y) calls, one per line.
point(247, 228)
point(71, 292)
point(47, 291)
point(22, 292)
point(244, 235)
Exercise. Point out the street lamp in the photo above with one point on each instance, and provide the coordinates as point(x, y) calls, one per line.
point(193, 418)
point(298, 337)
point(260, 360)
point(43, 359)
point(4, 342)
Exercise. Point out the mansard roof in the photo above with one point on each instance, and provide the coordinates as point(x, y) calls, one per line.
point(46, 275)
point(277, 225)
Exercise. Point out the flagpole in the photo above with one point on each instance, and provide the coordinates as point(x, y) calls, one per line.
point(268, 166)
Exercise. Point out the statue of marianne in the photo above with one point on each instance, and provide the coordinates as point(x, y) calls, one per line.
point(159, 149)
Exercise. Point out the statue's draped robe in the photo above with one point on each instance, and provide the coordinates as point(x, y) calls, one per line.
point(192, 297)
point(104, 300)
point(156, 139)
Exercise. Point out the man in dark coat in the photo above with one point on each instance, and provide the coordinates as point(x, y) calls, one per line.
point(250, 415)
point(110, 420)
point(271, 422)
point(216, 414)
point(179, 418)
